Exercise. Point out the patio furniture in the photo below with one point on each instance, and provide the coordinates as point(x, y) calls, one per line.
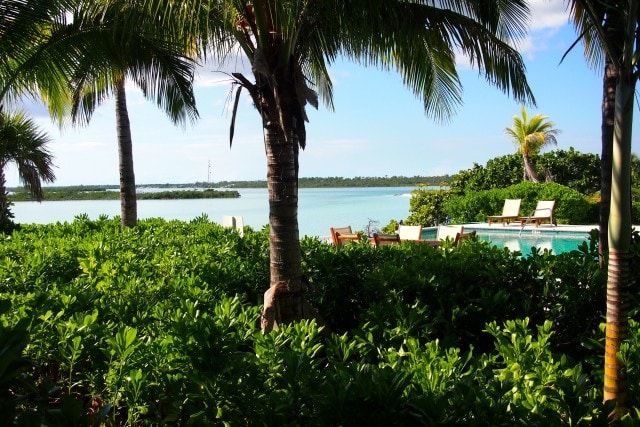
point(411, 233)
point(234, 222)
point(342, 235)
point(444, 232)
point(542, 213)
point(382, 239)
point(510, 212)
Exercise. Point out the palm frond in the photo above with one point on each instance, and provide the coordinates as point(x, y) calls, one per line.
point(23, 143)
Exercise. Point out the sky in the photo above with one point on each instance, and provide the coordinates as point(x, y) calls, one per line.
point(378, 127)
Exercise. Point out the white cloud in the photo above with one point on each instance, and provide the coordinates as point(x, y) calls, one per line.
point(548, 14)
point(548, 17)
point(214, 73)
point(546, 20)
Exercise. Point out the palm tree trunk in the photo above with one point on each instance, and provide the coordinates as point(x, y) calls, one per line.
point(615, 381)
point(529, 172)
point(128, 203)
point(610, 80)
point(284, 301)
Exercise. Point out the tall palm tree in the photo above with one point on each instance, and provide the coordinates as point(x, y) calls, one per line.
point(290, 44)
point(596, 55)
point(139, 51)
point(613, 28)
point(27, 64)
point(530, 135)
point(147, 56)
point(22, 143)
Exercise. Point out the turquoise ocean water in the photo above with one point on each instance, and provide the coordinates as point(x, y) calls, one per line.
point(319, 209)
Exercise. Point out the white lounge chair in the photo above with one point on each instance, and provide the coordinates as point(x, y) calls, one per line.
point(234, 222)
point(411, 233)
point(510, 212)
point(453, 232)
point(542, 213)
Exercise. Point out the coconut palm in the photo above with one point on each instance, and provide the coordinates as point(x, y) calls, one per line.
point(596, 56)
point(290, 44)
point(611, 29)
point(22, 143)
point(146, 56)
point(530, 135)
point(80, 61)
point(32, 60)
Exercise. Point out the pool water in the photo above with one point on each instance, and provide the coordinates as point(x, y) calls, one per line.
point(557, 242)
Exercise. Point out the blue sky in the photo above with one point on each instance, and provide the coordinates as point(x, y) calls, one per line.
point(378, 127)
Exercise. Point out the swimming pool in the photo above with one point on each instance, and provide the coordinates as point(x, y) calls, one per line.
point(558, 242)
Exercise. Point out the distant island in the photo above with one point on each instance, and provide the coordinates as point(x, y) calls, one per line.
point(211, 190)
point(103, 193)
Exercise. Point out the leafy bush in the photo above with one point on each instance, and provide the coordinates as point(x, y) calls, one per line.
point(571, 207)
point(570, 168)
point(427, 207)
point(158, 325)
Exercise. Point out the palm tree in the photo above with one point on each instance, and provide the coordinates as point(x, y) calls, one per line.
point(31, 59)
point(146, 56)
point(595, 55)
point(530, 135)
point(22, 143)
point(290, 44)
point(140, 51)
point(95, 51)
point(612, 29)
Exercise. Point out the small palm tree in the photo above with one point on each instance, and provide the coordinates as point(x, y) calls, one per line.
point(22, 143)
point(530, 135)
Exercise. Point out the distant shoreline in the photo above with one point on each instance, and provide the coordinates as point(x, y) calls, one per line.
point(325, 182)
point(62, 194)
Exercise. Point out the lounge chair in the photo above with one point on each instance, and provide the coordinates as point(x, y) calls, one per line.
point(542, 213)
point(412, 233)
point(383, 239)
point(510, 212)
point(339, 236)
point(466, 236)
point(234, 222)
point(454, 232)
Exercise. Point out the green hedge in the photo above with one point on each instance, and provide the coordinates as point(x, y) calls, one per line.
point(158, 325)
point(428, 207)
point(571, 207)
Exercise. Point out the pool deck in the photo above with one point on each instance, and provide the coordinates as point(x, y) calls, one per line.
point(529, 229)
point(516, 227)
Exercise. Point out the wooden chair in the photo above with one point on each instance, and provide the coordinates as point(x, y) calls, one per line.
point(453, 232)
point(466, 236)
point(339, 236)
point(382, 240)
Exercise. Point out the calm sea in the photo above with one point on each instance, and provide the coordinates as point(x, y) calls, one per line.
point(318, 208)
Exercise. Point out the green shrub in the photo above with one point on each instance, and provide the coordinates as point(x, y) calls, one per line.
point(569, 168)
point(571, 207)
point(427, 207)
point(159, 325)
